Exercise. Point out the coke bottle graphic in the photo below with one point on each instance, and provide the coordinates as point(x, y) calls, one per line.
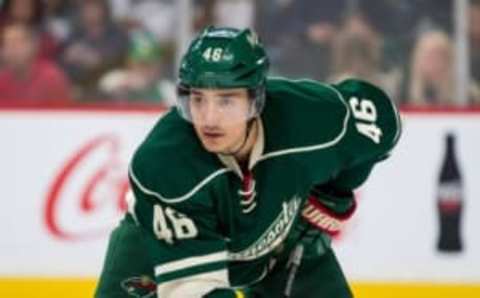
point(450, 201)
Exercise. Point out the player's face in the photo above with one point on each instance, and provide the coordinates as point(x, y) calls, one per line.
point(219, 117)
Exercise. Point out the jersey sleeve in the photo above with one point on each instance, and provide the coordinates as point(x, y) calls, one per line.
point(188, 251)
point(353, 122)
point(373, 128)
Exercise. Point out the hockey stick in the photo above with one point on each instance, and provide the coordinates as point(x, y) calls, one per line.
point(293, 264)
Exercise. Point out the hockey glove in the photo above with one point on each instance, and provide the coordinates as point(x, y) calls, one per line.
point(327, 208)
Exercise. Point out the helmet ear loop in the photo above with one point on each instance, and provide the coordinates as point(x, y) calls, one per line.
point(183, 94)
point(257, 96)
point(186, 110)
point(252, 109)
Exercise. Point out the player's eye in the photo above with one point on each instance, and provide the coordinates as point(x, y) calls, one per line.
point(226, 101)
point(196, 99)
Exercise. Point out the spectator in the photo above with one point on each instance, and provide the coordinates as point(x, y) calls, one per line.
point(219, 13)
point(32, 13)
point(359, 55)
point(156, 16)
point(432, 80)
point(242, 18)
point(141, 79)
point(95, 46)
point(25, 78)
point(435, 13)
point(300, 26)
point(203, 14)
point(271, 21)
point(58, 14)
point(474, 27)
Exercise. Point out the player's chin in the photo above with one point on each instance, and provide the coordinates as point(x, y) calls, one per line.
point(213, 147)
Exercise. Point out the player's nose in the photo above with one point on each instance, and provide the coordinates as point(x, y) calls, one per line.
point(210, 115)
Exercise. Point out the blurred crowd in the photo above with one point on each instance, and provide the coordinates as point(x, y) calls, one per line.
point(60, 51)
point(123, 51)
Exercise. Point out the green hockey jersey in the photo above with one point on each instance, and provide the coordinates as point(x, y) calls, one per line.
point(213, 231)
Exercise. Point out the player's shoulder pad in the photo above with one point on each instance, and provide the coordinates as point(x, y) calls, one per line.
point(374, 125)
point(302, 90)
point(170, 164)
point(315, 109)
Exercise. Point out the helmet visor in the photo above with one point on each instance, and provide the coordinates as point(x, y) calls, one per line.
point(218, 106)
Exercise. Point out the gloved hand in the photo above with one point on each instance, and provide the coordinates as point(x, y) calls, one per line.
point(328, 208)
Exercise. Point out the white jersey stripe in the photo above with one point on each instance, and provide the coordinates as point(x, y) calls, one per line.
point(131, 201)
point(177, 199)
point(190, 262)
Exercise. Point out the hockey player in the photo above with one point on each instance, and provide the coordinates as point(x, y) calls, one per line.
point(237, 190)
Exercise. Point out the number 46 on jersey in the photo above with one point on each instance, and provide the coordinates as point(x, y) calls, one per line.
point(365, 112)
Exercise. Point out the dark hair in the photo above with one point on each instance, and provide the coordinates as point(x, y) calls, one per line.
point(38, 11)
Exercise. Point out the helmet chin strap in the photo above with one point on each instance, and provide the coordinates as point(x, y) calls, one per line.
point(247, 134)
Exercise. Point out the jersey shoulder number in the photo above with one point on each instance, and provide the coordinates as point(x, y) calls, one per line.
point(374, 125)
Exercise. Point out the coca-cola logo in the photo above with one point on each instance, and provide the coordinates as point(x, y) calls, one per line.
point(87, 193)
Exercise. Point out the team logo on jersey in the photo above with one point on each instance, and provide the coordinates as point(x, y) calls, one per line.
point(273, 235)
point(140, 286)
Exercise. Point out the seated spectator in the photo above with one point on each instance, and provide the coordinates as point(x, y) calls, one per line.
point(95, 46)
point(301, 26)
point(432, 76)
point(219, 13)
point(58, 14)
point(32, 13)
point(24, 78)
point(159, 17)
point(141, 79)
point(357, 52)
point(156, 16)
point(474, 30)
